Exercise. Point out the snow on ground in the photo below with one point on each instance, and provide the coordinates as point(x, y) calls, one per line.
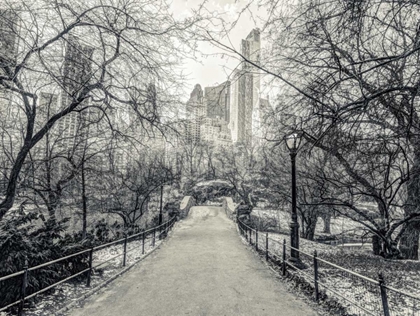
point(400, 274)
point(339, 225)
point(67, 292)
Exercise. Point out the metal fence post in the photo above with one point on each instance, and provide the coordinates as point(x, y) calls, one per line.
point(256, 240)
point(316, 276)
point(142, 247)
point(23, 290)
point(266, 246)
point(154, 236)
point(383, 294)
point(125, 251)
point(250, 236)
point(284, 257)
point(89, 274)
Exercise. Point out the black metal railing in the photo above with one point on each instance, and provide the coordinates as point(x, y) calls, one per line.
point(142, 238)
point(356, 293)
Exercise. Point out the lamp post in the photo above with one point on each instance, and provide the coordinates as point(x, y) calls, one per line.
point(292, 143)
point(160, 210)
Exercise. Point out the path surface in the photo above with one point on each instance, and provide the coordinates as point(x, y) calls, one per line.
point(202, 269)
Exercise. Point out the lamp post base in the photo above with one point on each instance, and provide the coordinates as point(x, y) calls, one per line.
point(294, 259)
point(294, 239)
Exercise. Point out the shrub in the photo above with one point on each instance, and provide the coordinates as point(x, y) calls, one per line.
point(26, 240)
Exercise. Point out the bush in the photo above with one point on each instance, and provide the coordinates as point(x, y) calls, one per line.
point(25, 240)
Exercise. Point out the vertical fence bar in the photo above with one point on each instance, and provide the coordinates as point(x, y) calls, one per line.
point(316, 276)
point(284, 257)
point(154, 237)
point(256, 240)
point(89, 274)
point(125, 251)
point(143, 241)
point(23, 290)
point(250, 236)
point(383, 294)
point(266, 246)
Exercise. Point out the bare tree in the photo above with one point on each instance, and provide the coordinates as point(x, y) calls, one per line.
point(350, 71)
point(128, 193)
point(111, 48)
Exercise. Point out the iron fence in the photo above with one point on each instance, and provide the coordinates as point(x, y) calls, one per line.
point(27, 276)
point(356, 293)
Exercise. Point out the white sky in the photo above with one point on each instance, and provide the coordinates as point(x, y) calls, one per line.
point(210, 70)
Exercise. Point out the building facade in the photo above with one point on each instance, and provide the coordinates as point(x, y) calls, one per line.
point(245, 90)
point(196, 112)
point(216, 131)
point(217, 100)
point(76, 75)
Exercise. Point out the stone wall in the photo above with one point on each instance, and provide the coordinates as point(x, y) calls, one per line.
point(185, 206)
point(229, 207)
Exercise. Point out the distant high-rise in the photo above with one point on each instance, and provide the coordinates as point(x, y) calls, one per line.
point(261, 115)
point(245, 89)
point(76, 74)
point(250, 49)
point(216, 131)
point(8, 36)
point(217, 101)
point(10, 132)
point(196, 112)
point(8, 49)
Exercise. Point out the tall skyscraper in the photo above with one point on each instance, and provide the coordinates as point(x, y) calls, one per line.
point(76, 74)
point(251, 47)
point(217, 101)
point(245, 89)
point(10, 114)
point(8, 48)
point(261, 115)
point(196, 111)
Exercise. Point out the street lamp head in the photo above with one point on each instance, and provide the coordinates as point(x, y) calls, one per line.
point(293, 142)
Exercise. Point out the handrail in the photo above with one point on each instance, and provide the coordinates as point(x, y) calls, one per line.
point(246, 231)
point(349, 271)
point(322, 260)
point(5, 277)
point(168, 224)
point(44, 289)
point(300, 251)
point(58, 260)
point(402, 292)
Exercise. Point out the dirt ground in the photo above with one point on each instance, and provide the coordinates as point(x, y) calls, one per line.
point(203, 269)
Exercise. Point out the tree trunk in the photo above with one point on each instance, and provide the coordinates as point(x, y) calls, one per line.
point(84, 203)
point(409, 242)
point(326, 218)
point(309, 231)
point(376, 245)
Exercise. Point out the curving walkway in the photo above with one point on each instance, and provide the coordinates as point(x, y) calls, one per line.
point(203, 269)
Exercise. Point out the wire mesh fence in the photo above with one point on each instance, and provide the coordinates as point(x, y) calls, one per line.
point(355, 293)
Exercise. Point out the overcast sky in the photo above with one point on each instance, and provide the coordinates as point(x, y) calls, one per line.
point(210, 70)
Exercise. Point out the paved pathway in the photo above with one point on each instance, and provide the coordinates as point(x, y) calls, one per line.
point(202, 269)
